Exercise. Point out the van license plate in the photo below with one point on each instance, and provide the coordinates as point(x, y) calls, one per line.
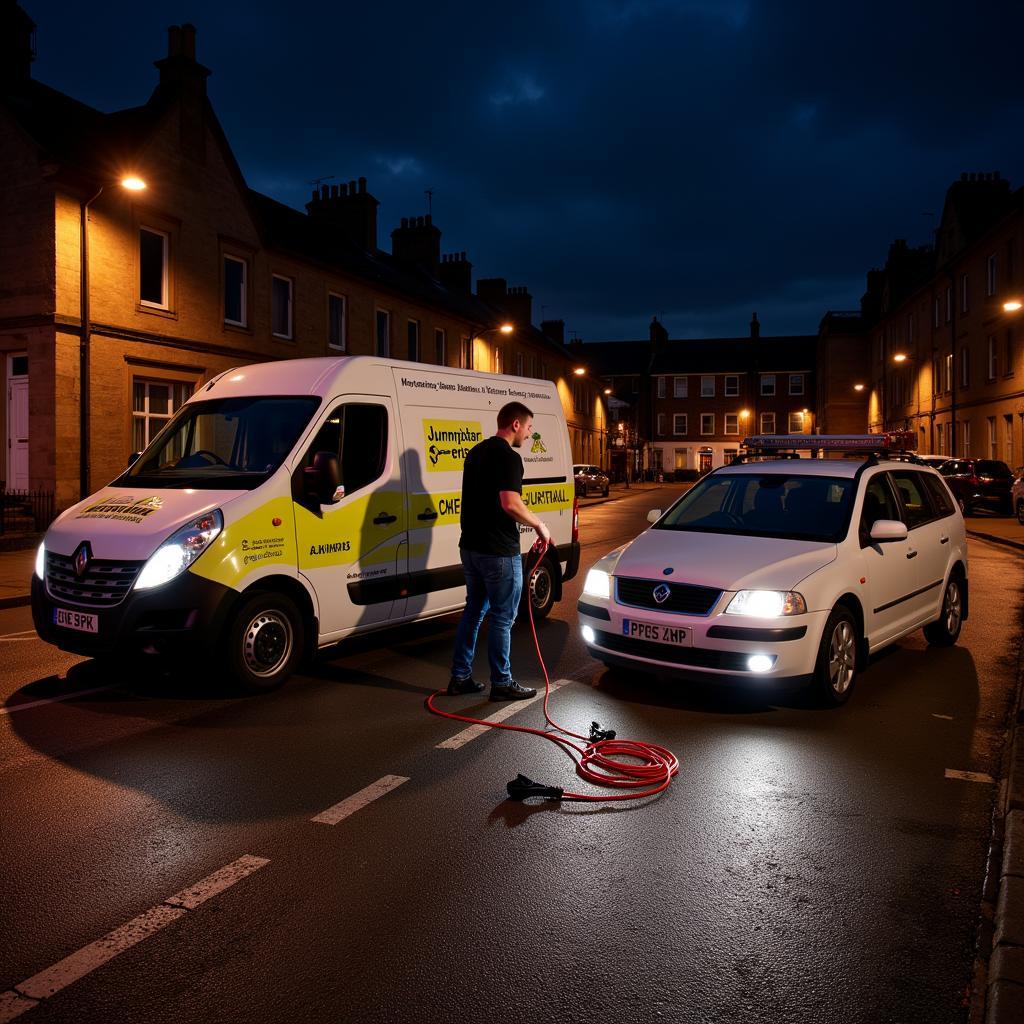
point(82, 621)
point(681, 636)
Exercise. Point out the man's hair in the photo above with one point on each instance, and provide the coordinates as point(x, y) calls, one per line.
point(508, 414)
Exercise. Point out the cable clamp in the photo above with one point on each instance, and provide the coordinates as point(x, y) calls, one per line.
point(521, 787)
point(597, 733)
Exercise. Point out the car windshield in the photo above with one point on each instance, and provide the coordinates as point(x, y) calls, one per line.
point(225, 443)
point(796, 507)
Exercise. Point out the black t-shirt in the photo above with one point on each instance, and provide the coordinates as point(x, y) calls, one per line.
point(491, 466)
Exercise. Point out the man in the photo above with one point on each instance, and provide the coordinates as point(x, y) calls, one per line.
point(492, 508)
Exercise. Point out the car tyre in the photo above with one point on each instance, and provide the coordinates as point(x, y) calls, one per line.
point(1020, 512)
point(264, 642)
point(604, 494)
point(945, 630)
point(540, 590)
point(835, 670)
point(965, 509)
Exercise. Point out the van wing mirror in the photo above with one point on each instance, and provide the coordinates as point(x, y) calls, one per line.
point(654, 515)
point(883, 530)
point(323, 478)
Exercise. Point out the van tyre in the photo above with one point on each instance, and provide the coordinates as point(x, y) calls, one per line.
point(836, 668)
point(945, 630)
point(540, 589)
point(264, 642)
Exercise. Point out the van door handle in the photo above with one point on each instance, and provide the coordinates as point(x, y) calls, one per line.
point(383, 519)
point(427, 516)
point(911, 554)
point(943, 540)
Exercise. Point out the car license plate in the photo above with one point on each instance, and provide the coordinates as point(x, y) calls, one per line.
point(84, 622)
point(681, 636)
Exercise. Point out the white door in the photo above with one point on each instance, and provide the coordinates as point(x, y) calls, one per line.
point(17, 428)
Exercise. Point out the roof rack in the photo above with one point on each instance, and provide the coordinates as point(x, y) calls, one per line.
point(896, 444)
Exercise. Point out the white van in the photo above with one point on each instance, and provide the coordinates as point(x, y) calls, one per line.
point(289, 505)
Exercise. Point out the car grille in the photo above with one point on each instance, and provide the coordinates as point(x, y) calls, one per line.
point(699, 657)
point(103, 585)
point(685, 598)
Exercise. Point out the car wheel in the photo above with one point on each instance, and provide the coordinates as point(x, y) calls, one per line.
point(965, 509)
point(945, 630)
point(836, 668)
point(605, 492)
point(264, 642)
point(540, 590)
point(1020, 512)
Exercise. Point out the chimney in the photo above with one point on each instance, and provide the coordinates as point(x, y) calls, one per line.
point(492, 290)
point(554, 329)
point(658, 334)
point(183, 81)
point(350, 209)
point(519, 303)
point(418, 243)
point(457, 272)
point(17, 46)
point(755, 327)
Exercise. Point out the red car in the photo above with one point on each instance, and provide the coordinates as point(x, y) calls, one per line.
point(979, 482)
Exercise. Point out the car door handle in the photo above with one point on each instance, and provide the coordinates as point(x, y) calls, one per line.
point(383, 519)
point(427, 516)
point(911, 554)
point(943, 540)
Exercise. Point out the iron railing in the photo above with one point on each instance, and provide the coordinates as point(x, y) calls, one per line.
point(25, 511)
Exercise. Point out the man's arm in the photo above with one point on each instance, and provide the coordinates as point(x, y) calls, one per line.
point(512, 504)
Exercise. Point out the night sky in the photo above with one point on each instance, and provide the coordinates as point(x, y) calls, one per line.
point(696, 159)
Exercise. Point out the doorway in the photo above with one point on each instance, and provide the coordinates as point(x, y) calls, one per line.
point(704, 465)
point(17, 422)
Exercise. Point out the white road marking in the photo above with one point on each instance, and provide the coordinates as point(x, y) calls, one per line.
point(945, 718)
point(46, 983)
point(357, 801)
point(54, 700)
point(460, 739)
point(21, 634)
point(952, 773)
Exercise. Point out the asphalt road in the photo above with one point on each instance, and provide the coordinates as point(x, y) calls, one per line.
point(806, 865)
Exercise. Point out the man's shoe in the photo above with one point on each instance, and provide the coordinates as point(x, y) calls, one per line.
point(512, 691)
point(459, 686)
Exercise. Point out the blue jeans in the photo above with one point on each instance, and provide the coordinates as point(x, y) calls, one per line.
point(493, 582)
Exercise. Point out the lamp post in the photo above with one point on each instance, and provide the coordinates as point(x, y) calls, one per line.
point(131, 183)
point(505, 328)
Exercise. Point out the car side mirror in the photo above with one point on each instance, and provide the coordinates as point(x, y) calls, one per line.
point(654, 515)
point(323, 478)
point(133, 458)
point(883, 530)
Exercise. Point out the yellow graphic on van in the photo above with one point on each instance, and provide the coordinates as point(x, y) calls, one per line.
point(547, 497)
point(538, 444)
point(446, 443)
point(123, 508)
point(365, 531)
point(440, 509)
point(249, 545)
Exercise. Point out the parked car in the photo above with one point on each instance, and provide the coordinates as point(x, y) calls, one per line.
point(935, 461)
point(1017, 495)
point(591, 480)
point(979, 482)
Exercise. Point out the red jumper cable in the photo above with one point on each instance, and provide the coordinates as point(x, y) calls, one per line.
point(642, 769)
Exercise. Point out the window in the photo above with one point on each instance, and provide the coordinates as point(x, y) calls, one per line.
point(679, 424)
point(707, 423)
point(661, 424)
point(1008, 442)
point(942, 500)
point(914, 500)
point(681, 456)
point(1008, 353)
point(412, 334)
point(963, 293)
point(154, 402)
point(947, 374)
point(499, 362)
point(993, 442)
point(732, 423)
point(519, 364)
point(937, 315)
point(235, 275)
point(940, 437)
point(281, 306)
point(965, 433)
point(533, 364)
point(661, 387)
point(440, 347)
point(466, 356)
point(879, 503)
point(990, 275)
point(680, 387)
point(949, 303)
point(730, 454)
point(965, 367)
point(707, 387)
point(796, 383)
point(336, 321)
point(732, 385)
point(357, 435)
point(767, 383)
point(153, 246)
point(579, 396)
point(383, 322)
point(767, 423)
point(993, 358)
point(796, 423)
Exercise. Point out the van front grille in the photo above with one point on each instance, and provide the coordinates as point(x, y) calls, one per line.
point(104, 583)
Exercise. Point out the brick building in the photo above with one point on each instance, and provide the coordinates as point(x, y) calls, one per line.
point(197, 273)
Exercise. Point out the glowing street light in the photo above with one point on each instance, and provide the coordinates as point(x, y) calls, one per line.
point(580, 370)
point(1012, 306)
point(744, 414)
point(607, 391)
point(900, 357)
point(133, 183)
point(858, 387)
point(506, 328)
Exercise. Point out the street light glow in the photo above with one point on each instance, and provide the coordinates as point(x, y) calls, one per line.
point(133, 183)
point(744, 413)
point(607, 391)
point(858, 387)
point(900, 357)
point(580, 370)
point(1012, 306)
point(506, 328)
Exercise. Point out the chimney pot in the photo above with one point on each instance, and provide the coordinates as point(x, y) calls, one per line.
point(352, 188)
point(174, 41)
point(188, 41)
point(362, 185)
point(334, 191)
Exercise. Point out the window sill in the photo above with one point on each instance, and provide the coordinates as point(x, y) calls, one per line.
point(166, 313)
point(282, 337)
point(237, 328)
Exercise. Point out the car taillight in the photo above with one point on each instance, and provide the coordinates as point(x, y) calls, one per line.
point(974, 481)
point(575, 519)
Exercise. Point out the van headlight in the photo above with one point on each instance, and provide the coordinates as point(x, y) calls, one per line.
point(766, 604)
point(180, 550)
point(598, 584)
point(41, 562)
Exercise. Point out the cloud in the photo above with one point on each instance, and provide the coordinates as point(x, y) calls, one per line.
point(400, 166)
point(520, 90)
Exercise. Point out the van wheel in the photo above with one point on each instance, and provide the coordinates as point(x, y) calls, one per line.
point(264, 642)
point(945, 630)
point(836, 668)
point(540, 591)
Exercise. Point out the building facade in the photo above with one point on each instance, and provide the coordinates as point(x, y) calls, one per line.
point(119, 304)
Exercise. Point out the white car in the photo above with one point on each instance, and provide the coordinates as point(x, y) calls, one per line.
point(789, 570)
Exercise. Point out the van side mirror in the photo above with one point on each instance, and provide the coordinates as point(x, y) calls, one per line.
point(883, 530)
point(133, 458)
point(654, 515)
point(322, 479)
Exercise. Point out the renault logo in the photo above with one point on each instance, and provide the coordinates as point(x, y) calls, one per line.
point(661, 593)
point(80, 559)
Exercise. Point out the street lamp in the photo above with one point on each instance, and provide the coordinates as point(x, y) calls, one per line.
point(505, 328)
point(858, 387)
point(900, 357)
point(1012, 306)
point(131, 183)
point(580, 371)
point(607, 391)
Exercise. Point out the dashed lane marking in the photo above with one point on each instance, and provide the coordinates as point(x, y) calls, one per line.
point(21, 634)
point(46, 983)
point(952, 773)
point(10, 709)
point(357, 801)
point(945, 718)
point(460, 739)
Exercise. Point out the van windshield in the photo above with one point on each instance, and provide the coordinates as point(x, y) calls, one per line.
point(222, 444)
point(796, 507)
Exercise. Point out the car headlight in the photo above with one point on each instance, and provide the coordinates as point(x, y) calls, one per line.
point(766, 604)
point(598, 584)
point(180, 550)
point(41, 562)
